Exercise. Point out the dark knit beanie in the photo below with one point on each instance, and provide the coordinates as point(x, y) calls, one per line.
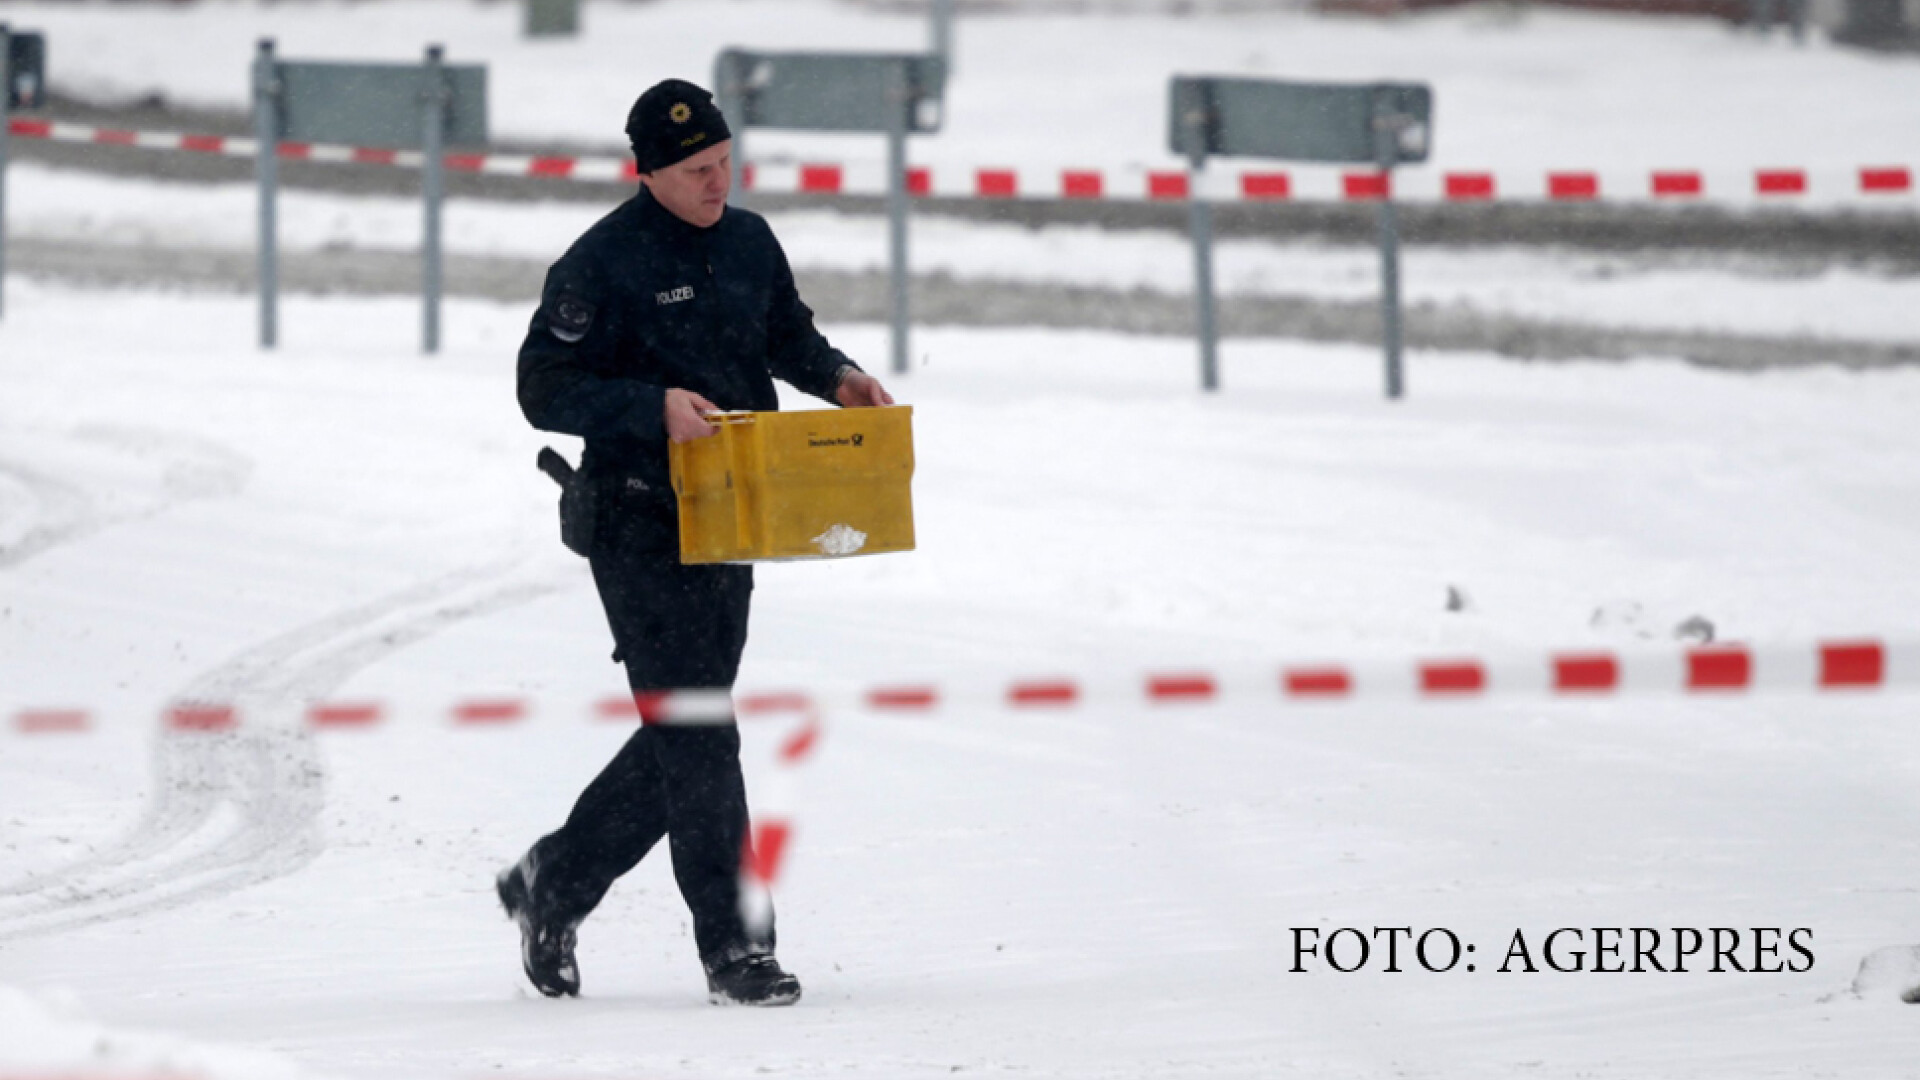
point(671, 122)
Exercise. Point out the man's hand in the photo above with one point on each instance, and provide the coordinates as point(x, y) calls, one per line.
point(860, 388)
point(685, 416)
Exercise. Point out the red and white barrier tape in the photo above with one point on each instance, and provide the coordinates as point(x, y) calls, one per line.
point(1884, 185)
point(666, 708)
point(1710, 670)
point(1873, 184)
point(776, 801)
point(560, 168)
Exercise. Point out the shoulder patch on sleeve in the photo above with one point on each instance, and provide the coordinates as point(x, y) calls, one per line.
point(569, 317)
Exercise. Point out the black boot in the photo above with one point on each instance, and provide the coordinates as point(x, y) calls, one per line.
point(546, 943)
point(752, 980)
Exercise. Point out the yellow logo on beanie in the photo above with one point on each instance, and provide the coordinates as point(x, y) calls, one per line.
point(680, 113)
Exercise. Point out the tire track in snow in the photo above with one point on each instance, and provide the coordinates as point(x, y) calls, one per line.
point(57, 512)
point(234, 809)
point(61, 509)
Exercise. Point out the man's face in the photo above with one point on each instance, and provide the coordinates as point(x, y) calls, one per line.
point(695, 190)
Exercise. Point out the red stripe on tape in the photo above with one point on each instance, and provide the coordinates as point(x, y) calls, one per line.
point(996, 183)
point(1082, 185)
point(1167, 185)
point(1780, 182)
point(824, 179)
point(1452, 677)
point(561, 167)
point(200, 718)
point(630, 170)
point(1670, 185)
point(368, 155)
point(1277, 185)
point(650, 707)
point(294, 151)
point(47, 721)
point(1317, 682)
point(1719, 668)
point(801, 744)
point(344, 714)
point(1853, 663)
point(1181, 688)
point(781, 701)
point(32, 129)
point(1363, 186)
point(203, 144)
point(107, 137)
point(904, 697)
point(1469, 187)
point(1573, 186)
point(1043, 692)
point(618, 709)
point(466, 162)
point(766, 844)
point(920, 181)
point(1894, 179)
point(1585, 673)
point(504, 711)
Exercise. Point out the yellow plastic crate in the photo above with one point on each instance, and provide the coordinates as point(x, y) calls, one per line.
point(818, 484)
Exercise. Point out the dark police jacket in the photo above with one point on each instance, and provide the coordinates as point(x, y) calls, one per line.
point(644, 302)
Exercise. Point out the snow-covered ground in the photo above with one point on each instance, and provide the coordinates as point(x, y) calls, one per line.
point(1092, 893)
point(1513, 87)
point(1110, 891)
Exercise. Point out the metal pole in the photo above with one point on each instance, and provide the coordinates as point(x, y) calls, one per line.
point(900, 100)
point(266, 168)
point(943, 33)
point(6, 94)
point(1390, 288)
point(1193, 120)
point(433, 162)
point(1202, 222)
point(1386, 134)
point(730, 91)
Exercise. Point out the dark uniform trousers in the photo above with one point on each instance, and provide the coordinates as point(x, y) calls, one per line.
point(676, 627)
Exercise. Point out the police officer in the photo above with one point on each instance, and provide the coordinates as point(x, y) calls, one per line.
point(670, 307)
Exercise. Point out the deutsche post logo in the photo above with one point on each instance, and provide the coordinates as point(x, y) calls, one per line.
point(680, 113)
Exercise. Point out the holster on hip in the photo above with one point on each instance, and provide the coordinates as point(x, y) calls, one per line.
point(577, 501)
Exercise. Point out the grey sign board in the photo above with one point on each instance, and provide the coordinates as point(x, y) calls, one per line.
point(832, 91)
point(26, 70)
point(379, 105)
point(895, 94)
point(1378, 124)
point(552, 18)
point(420, 107)
point(1326, 122)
